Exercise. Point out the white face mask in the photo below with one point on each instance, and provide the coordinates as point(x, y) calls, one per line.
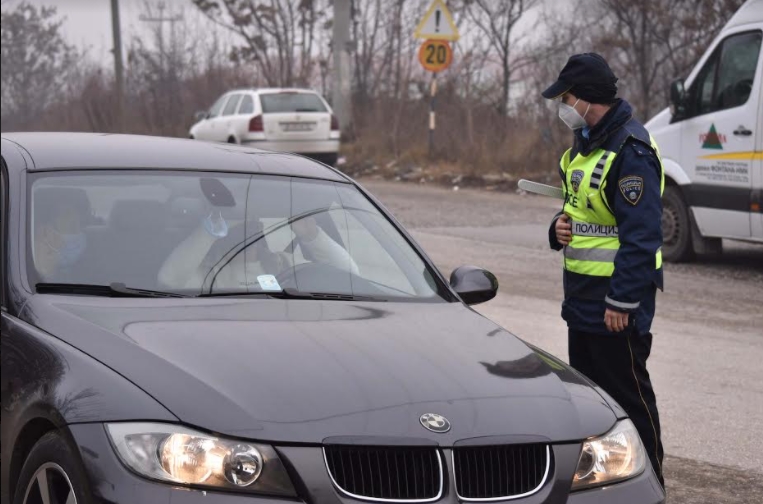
point(571, 117)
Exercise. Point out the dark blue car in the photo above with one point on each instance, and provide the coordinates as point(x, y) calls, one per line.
point(185, 322)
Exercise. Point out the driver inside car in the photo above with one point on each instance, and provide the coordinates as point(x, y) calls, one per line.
point(192, 266)
point(59, 238)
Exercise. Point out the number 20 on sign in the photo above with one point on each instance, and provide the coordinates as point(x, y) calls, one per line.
point(435, 55)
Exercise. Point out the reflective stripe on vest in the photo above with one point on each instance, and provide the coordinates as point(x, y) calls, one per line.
point(595, 241)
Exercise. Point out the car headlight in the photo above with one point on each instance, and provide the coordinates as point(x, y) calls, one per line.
point(615, 456)
point(178, 455)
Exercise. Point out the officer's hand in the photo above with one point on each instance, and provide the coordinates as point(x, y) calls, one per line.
point(563, 229)
point(615, 321)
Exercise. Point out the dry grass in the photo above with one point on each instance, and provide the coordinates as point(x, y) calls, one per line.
point(473, 145)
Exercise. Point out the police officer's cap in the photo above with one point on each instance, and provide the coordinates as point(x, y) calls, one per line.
point(587, 76)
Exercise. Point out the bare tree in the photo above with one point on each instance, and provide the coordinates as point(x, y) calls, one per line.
point(173, 74)
point(35, 62)
point(278, 35)
point(649, 42)
point(496, 19)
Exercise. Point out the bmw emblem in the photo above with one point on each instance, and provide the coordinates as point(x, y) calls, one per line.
point(435, 422)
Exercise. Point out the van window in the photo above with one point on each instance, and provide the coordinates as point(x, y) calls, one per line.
point(739, 60)
point(727, 79)
point(704, 87)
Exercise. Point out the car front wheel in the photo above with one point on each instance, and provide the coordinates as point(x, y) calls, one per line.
point(52, 473)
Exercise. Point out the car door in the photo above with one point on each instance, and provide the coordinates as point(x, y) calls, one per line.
point(212, 130)
point(4, 320)
point(757, 173)
point(718, 141)
point(243, 116)
point(3, 233)
point(225, 131)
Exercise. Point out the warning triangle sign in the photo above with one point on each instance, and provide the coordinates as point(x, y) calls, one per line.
point(712, 141)
point(437, 24)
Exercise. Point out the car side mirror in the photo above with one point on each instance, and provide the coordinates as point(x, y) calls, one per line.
point(678, 99)
point(201, 115)
point(474, 285)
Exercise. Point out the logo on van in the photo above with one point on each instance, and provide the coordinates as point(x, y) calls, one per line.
point(712, 140)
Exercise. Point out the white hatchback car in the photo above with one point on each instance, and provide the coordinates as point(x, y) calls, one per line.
point(278, 119)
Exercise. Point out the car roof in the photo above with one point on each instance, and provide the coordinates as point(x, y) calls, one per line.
point(67, 151)
point(271, 90)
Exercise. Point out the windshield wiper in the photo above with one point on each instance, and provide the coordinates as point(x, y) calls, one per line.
point(325, 296)
point(115, 289)
point(289, 293)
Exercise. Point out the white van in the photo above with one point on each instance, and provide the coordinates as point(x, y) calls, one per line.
point(711, 141)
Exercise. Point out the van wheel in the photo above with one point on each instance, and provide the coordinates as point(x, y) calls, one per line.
point(676, 227)
point(52, 473)
point(231, 140)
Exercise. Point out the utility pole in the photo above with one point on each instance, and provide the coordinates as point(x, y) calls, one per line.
point(341, 89)
point(118, 67)
point(161, 19)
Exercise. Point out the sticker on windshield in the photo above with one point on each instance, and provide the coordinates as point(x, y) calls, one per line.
point(268, 283)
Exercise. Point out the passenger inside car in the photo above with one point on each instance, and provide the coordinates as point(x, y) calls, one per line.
point(209, 258)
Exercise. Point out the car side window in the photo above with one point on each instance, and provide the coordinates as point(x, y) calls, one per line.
point(726, 81)
point(247, 105)
point(230, 107)
point(215, 109)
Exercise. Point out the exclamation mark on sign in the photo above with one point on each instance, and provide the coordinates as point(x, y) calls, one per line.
point(437, 21)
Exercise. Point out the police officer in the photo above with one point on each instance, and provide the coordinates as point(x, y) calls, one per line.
point(610, 234)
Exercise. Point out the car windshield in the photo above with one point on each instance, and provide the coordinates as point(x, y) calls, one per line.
point(218, 234)
point(273, 103)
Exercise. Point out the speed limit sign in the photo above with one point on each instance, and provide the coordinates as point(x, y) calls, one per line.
point(435, 55)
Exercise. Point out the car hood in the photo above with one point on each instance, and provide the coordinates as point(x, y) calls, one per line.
point(304, 371)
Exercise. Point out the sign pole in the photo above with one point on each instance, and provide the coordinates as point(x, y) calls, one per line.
point(432, 96)
point(435, 55)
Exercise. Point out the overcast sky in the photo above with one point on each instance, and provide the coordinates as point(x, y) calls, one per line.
point(88, 22)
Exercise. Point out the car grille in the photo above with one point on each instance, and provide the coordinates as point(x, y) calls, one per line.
point(386, 473)
point(500, 472)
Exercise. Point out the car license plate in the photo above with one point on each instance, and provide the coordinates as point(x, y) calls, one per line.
point(295, 126)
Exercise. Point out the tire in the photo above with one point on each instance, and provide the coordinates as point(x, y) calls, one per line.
point(676, 227)
point(231, 140)
point(65, 476)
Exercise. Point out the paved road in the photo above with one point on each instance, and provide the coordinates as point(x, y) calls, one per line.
point(708, 332)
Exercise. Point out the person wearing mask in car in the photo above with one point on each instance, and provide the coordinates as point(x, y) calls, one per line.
point(610, 232)
point(59, 238)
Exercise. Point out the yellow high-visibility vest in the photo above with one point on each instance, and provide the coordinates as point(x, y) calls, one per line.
point(595, 241)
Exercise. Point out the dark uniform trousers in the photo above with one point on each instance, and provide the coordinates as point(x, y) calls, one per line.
point(617, 363)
